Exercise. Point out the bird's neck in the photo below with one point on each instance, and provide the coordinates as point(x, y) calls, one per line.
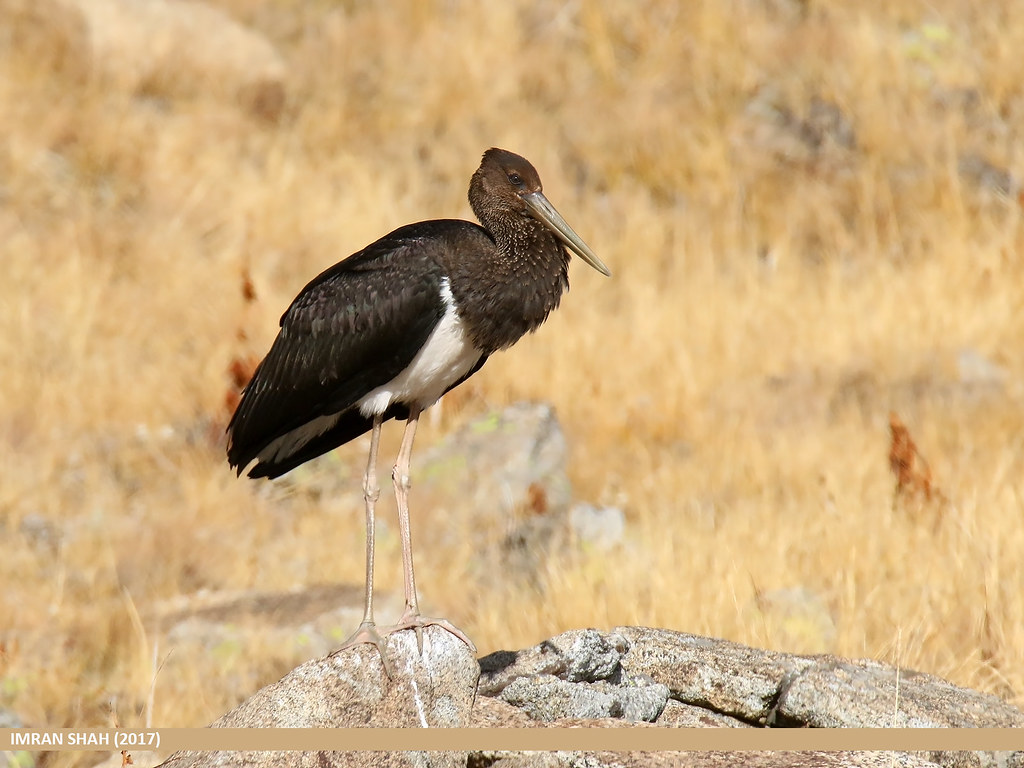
point(528, 246)
point(509, 289)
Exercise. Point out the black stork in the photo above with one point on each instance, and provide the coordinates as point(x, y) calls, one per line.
point(386, 332)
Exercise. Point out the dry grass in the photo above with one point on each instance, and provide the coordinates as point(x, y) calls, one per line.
point(799, 248)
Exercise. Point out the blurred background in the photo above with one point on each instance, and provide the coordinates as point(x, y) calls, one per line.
point(792, 418)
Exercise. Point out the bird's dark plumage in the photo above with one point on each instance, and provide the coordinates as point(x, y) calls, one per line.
point(351, 329)
point(361, 322)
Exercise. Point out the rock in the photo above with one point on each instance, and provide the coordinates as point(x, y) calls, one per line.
point(740, 681)
point(725, 677)
point(500, 484)
point(752, 760)
point(590, 656)
point(501, 464)
point(545, 697)
point(679, 715)
point(619, 679)
point(574, 759)
point(494, 713)
point(516, 760)
point(319, 759)
point(717, 683)
point(162, 47)
point(577, 655)
point(351, 689)
point(836, 693)
point(708, 759)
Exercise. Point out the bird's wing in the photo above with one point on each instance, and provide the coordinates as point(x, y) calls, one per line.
point(350, 330)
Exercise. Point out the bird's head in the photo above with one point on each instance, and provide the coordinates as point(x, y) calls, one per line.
point(507, 184)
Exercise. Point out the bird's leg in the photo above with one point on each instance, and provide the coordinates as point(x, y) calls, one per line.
point(411, 617)
point(400, 477)
point(367, 632)
point(371, 492)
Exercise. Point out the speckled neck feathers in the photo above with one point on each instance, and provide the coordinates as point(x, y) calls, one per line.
point(508, 291)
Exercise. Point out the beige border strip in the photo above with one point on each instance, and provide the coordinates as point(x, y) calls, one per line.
point(540, 739)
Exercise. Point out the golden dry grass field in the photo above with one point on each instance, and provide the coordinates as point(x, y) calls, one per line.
point(813, 219)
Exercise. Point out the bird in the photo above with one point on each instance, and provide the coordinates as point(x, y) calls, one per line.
point(384, 333)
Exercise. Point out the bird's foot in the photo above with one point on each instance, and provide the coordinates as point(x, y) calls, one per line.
point(412, 619)
point(368, 633)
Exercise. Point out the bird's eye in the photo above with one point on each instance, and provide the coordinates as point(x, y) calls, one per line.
point(515, 179)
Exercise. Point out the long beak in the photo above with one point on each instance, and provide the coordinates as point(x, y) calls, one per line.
point(546, 213)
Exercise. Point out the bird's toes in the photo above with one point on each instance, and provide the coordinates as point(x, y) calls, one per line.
point(417, 622)
point(368, 633)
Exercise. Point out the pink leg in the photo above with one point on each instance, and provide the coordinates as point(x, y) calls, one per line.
point(367, 632)
point(411, 617)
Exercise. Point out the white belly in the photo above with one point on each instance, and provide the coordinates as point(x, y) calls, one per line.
point(446, 357)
